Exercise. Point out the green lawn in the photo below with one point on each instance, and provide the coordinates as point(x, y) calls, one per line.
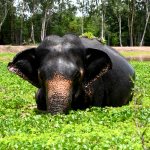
point(22, 126)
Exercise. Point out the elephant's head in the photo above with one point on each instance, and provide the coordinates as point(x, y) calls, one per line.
point(60, 67)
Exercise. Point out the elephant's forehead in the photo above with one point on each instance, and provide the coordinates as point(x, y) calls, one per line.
point(58, 84)
point(62, 47)
point(57, 48)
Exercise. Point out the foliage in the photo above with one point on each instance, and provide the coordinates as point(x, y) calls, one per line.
point(88, 35)
point(115, 39)
point(25, 20)
point(103, 41)
point(22, 126)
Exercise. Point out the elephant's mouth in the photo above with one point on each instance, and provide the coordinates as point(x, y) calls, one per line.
point(58, 104)
point(58, 91)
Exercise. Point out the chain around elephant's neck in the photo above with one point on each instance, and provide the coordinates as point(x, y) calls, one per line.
point(88, 86)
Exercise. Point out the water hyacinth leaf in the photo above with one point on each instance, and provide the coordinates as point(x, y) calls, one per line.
point(23, 127)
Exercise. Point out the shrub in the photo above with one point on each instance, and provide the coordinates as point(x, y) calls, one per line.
point(88, 35)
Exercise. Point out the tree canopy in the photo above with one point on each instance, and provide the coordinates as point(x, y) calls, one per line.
point(118, 22)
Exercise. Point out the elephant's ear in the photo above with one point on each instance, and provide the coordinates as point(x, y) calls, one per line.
point(97, 63)
point(25, 65)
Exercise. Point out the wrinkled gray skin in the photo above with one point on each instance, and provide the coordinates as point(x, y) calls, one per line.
point(75, 73)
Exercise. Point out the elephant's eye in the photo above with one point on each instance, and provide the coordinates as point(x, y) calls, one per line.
point(76, 75)
point(40, 76)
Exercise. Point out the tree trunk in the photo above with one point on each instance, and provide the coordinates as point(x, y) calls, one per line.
point(43, 26)
point(131, 32)
point(2, 22)
point(82, 19)
point(108, 40)
point(5, 15)
point(21, 32)
point(120, 33)
point(102, 26)
point(32, 33)
point(132, 21)
point(13, 27)
point(21, 23)
point(147, 19)
point(82, 25)
point(32, 24)
point(102, 20)
point(141, 43)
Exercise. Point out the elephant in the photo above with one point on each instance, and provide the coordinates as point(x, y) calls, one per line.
point(74, 72)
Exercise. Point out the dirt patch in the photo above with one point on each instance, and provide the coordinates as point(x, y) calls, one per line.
point(135, 48)
point(140, 57)
point(14, 49)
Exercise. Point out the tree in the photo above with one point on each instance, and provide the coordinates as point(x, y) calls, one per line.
point(63, 19)
point(131, 16)
point(101, 10)
point(32, 6)
point(147, 5)
point(102, 17)
point(22, 5)
point(4, 8)
point(121, 22)
point(20, 15)
point(119, 8)
point(46, 7)
point(81, 7)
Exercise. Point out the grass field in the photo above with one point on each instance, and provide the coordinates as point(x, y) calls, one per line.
point(22, 126)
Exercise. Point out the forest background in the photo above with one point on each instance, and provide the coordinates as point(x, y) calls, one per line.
point(114, 22)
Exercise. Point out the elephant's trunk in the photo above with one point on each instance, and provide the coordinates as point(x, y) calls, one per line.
point(58, 91)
